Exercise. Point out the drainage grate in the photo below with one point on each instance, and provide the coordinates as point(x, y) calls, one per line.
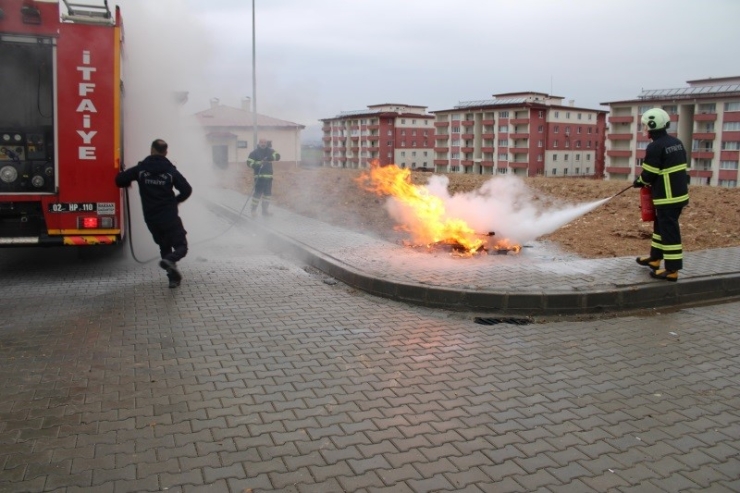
point(496, 321)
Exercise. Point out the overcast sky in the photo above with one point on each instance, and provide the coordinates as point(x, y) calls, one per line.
point(316, 58)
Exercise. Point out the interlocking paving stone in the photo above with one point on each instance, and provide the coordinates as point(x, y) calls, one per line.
point(255, 374)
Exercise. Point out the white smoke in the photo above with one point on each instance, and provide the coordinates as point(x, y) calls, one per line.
point(503, 205)
point(164, 50)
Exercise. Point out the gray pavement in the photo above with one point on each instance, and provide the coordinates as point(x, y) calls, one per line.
point(538, 281)
point(260, 373)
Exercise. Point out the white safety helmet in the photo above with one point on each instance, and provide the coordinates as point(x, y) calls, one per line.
point(656, 119)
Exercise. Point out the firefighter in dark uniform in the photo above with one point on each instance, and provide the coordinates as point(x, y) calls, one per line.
point(260, 160)
point(157, 177)
point(664, 171)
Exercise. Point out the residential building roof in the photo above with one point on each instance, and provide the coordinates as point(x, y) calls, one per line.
point(219, 115)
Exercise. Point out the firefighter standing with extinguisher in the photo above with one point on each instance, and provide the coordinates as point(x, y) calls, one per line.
point(664, 171)
point(261, 160)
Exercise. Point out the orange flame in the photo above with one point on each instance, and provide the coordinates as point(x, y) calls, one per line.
point(427, 219)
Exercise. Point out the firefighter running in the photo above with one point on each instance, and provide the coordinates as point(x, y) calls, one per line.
point(261, 160)
point(156, 177)
point(664, 171)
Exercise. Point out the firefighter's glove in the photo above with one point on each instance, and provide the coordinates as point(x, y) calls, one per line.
point(637, 183)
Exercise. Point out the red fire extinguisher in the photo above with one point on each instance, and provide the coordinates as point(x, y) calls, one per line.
point(647, 209)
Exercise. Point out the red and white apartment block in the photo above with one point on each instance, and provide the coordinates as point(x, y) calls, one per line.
point(524, 133)
point(386, 133)
point(705, 116)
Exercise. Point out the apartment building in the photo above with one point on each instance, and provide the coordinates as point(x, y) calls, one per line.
point(385, 133)
point(705, 116)
point(523, 133)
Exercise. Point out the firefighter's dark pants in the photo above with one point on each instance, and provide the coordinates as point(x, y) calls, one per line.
point(262, 190)
point(171, 237)
point(666, 242)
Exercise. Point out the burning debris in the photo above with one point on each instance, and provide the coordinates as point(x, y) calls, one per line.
point(425, 218)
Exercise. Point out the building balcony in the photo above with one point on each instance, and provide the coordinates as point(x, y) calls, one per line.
point(519, 121)
point(354, 149)
point(619, 170)
point(326, 139)
point(730, 136)
point(373, 137)
point(519, 150)
point(486, 149)
point(488, 136)
point(467, 162)
point(468, 123)
point(640, 153)
point(373, 127)
point(618, 153)
point(620, 136)
point(700, 173)
point(704, 135)
point(441, 149)
point(702, 154)
point(727, 174)
point(705, 117)
point(441, 162)
point(487, 122)
point(621, 119)
point(519, 136)
point(441, 124)
point(487, 164)
point(327, 159)
point(519, 165)
point(326, 128)
point(729, 155)
point(467, 149)
point(354, 137)
point(342, 159)
point(441, 136)
point(467, 136)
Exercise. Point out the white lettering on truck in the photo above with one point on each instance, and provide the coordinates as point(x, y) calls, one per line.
point(86, 107)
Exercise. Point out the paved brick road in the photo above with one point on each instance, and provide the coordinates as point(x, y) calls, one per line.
point(257, 375)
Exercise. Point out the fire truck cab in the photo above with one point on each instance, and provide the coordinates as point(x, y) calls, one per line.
point(60, 123)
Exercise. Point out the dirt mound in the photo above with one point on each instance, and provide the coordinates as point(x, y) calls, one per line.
point(613, 229)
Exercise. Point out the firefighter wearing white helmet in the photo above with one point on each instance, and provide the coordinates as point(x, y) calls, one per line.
point(664, 171)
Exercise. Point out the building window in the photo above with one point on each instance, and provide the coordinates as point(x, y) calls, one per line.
point(242, 144)
point(413, 153)
point(588, 158)
point(567, 144)
point(565, 158)
point(503, 114)
point(539, 143)
point(579, 116)
point(503, 129)
point(671, 109)
point(567, 115)
point(403, 121)
point(731, 126)
point(728, 183)
point(556, 129)
point(590, 130)
point(730, 146)
point(503, 156)
point(539, 158)
point(540, 114)
point(503, 143)
point(578, 130)
point(403, 132)
point(540, 129)
point(554, 171)
point(732, 106)
point(554, 157)
point(589, 116)
point(578, 158)
point(557, 114)
point(728, 165)
point(455, 130)
point(403, 153)
point(555, 144)
point(578, 170)
point(565, 171)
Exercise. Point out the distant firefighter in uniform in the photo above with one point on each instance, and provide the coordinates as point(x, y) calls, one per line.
point(157, 177)
point(260, 160)
point(664, 171)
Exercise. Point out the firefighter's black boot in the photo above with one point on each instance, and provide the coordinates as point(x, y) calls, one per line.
point(172, 273)
point(649, 262)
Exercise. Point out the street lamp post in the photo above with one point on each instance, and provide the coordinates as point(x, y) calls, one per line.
point(254, 79)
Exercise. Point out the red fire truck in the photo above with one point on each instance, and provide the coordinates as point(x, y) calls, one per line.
point(60, 123)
